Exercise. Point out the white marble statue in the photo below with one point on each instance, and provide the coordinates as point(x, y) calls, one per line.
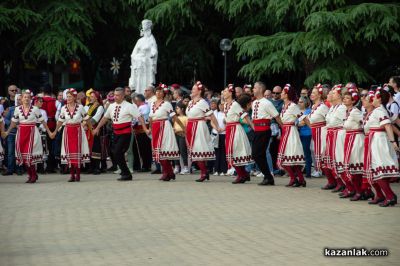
point(144, 60)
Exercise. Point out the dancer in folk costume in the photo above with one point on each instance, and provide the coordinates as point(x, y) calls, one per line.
point(28, 143)
point(291, 154)
point(353, 146)
point(238, 150)
point(381, 161)
point(334, 153)
point(122, 113)
point(316, 120)
point(200, 146)
point(263, 112)
point(163, 142)
point(367, 98)
point(74, 144)
point(99, 148)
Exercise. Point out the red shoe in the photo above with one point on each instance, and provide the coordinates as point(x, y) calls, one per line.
point(77, 178)
point(292, 183)
point(71, 179)
point(329, 186)
point(376, 201)
point(203, 178)
point(239, 180)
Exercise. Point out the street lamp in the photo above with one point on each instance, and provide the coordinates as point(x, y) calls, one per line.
point(225, 45)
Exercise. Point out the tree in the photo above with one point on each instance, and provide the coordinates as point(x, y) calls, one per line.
point(322, 41)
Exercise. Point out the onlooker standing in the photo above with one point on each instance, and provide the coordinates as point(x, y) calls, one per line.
point(180, 133)
point(274, 145)
point(220, 166)
point(305, 132)
point(12, 92)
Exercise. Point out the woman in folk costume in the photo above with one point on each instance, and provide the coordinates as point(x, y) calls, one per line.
point(381, 164)
point(334, 153)
point(200, 146)
point(316, 120)
point(99, 151)
point(163, 142)
point(238, 150)
point(353, 145)
point(74, 146)
point(291, 154)
point(28, 143)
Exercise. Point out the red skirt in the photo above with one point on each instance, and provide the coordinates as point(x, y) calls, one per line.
point(316, 132)
point(157, 131)
point(28, 146)
point(75, 146)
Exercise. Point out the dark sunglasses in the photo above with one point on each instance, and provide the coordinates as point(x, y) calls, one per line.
point(276, 93)
point(12, 90)
point(364, 94)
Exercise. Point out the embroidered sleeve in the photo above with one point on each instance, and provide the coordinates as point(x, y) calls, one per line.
point(383, 117)
point(38, 115)
point(61, 118)
point(171, 111)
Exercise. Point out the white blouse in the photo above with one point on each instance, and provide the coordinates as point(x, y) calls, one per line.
point(318, 113)
point(376, 119)
point(291, 113)
point(354, 119)
point(199, 109)
point(336, 116)
point(233, 112)
point(163, 111)
point(32, 116)
point(74, 116)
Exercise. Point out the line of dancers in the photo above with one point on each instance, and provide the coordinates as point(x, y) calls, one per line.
point(355, 150)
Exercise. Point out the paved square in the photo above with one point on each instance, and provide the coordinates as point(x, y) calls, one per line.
point(100, 221)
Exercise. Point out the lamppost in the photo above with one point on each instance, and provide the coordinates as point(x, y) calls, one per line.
point(225, 45)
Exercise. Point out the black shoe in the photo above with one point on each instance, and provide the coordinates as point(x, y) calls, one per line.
point(144, 170)
point(112, 169)
point(125, 178)
point(7, 173)
point(156, 172)
point(267, 182)
point(96, 171)
point(20, 172)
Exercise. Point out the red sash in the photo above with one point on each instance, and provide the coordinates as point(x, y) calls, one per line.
point(123, 128)
point(261, 124)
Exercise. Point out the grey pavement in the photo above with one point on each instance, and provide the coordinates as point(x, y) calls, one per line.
point(100, 221)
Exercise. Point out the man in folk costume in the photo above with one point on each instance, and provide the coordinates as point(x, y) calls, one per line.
point(238, 151)
point(121, 113)
point(28, 143)
point(164, 146)
point(291, 154)
point(263, 112)
point(74, 144)
point(200, 147)
point(50, 106)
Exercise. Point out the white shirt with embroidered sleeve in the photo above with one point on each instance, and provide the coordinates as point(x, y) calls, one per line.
point(354, 120)
point(234, 112)
point(291, 113)
point(72, 116)
point(263, 109)
point(378, 118)
point(32, 116)
point(199, 109)
point(162, 111)
point(122, 113)
point(318, 113)
point(336, 116)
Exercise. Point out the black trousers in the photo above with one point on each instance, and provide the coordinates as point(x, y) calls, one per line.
point(273, 149)
point(221, 165)
point(259, 151)
point(181, 141)
point(141, 152)
point(120, 147)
